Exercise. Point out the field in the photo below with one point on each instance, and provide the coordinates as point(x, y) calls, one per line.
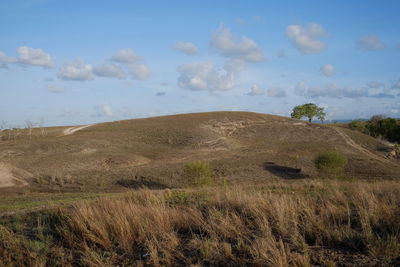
point(118, 193)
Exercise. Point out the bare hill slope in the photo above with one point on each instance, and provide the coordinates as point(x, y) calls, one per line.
point(241, 146)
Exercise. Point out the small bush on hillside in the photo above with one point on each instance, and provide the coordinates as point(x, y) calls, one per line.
point(331, 162)
point(198, 173)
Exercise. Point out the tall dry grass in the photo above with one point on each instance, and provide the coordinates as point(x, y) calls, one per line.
point(280, 224)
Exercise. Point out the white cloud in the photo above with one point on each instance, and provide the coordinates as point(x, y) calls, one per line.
point(370, 43)
point(34, 57)
point(76, 70)
point(301, 88)
point(54, 88)
point(203, 76)
point(6, 59)
point(109, 70)
point(139, 71)
point(126, 56)
point(327, 70)
point(104, 110)
point(333, 91)
point(307, 39)
point(255, 90)
point(186, 47)
point(276, 92)
point(131, 62)
point(232, 46)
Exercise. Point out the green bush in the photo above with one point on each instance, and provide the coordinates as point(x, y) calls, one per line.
point(358, 125)
point(198, 173)
point(331, 162)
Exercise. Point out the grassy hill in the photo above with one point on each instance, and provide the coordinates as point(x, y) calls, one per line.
point(240, 146)
point(76, 197)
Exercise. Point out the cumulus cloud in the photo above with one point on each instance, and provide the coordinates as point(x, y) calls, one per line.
point(6, 59)
point(327, 70)
point(109, 70)
point(131, 62)
point(29, 56)
point(139, 71)
point(186, 47)
point(203, 76)
point(307, 39)
point(76, 70)
point(34, 57)
point(333, 91)
point(276, 92)
point(255, 90)
point(54, 88)
point(230, 46)
point(370, 43)
point(126, 56)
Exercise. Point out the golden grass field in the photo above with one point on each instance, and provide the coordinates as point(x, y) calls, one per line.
point(117, 194)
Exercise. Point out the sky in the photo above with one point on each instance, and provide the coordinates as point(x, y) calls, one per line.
point(79, 62)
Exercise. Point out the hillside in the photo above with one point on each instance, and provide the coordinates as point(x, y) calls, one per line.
point(116, 194)
point(242, 147)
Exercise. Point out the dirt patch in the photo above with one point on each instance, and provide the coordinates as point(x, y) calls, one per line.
point(361, 149)
point(227, 127)
point(11, 176)
point(72, 130)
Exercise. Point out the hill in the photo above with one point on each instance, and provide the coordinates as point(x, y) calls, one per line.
point(242, 147)
point(74, 195)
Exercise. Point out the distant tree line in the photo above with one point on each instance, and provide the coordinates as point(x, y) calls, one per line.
point(379, 126)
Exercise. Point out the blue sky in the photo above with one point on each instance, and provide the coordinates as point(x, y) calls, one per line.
point(78, 62)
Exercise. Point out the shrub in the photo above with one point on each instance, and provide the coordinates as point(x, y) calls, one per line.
point(358, 125)
point(331, 162)
point(198, 173)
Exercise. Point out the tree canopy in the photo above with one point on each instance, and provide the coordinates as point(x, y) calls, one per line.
point(309, 110)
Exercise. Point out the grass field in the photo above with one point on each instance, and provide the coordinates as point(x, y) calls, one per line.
point(299, 223)
point(79, 199)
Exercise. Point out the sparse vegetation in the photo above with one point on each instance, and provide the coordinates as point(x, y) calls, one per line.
point(277, 224)
point(198, 173)
point(86, 204)
point(331, 162)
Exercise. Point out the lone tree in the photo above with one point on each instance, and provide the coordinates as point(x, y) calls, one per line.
point(310, 111)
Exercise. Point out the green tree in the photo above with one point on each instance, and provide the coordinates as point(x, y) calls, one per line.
point(310, 111)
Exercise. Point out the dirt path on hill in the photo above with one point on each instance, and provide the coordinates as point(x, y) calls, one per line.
point(72, 130)
point(361, 149)
point(7, 178)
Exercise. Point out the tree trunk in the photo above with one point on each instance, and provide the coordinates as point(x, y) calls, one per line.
point(309, 119)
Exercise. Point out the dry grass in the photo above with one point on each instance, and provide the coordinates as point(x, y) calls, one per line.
point(280, 224)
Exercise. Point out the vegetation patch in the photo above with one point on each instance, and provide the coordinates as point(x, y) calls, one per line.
point(199, 173)
point(331, 162)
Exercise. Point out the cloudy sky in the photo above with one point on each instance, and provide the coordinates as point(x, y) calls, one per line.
point(78, 62)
